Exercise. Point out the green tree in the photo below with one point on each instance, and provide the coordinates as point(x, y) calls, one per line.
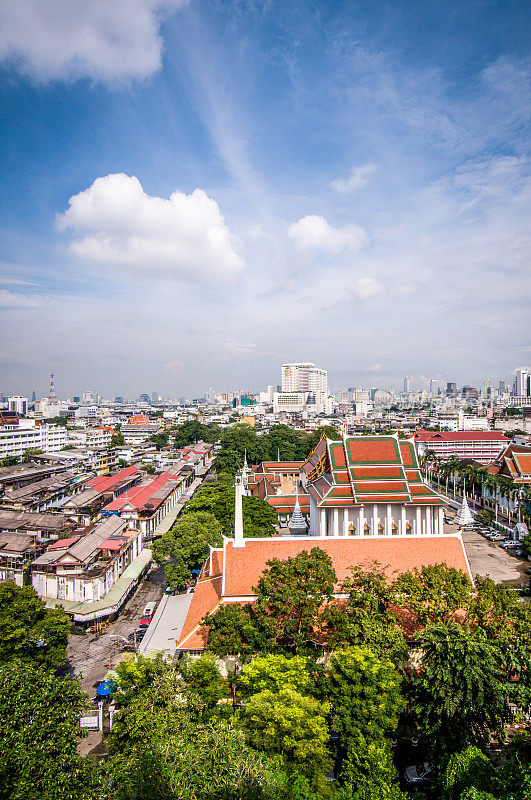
point(161, 751)
point(39, 732)
point(28, 631)
point(228, 461)
point(135, 675)
point(234, 630)
point(259, 518)
point(292, 725)
point(202, 684)
point(160, 440)
point(434, 593)
point(368, 773)
point(274, 672)
point(291, 594)
point(365, 695)
point(465, 770)
point(461, 691)
point(27, 455)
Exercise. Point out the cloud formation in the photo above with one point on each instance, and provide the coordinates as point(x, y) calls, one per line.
point(98, 39)
point(315, 233)
point(367, 287)
point(184, 237)
point(357, 179)
point(16, 300)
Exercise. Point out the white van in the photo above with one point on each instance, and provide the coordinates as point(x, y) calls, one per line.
point(149, 610)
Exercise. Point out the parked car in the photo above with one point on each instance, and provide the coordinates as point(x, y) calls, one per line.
point(149, 609)
point(511, 545)
point(418, 773)
point(139, 636)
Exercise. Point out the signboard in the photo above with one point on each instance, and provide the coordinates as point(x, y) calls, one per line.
point(90, 722)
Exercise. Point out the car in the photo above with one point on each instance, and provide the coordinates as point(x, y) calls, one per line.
point(139, 636)
point(149, 609)
point(418, 773)
point(145, 622)
point(511, 545)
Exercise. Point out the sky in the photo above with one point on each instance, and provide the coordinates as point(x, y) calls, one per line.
point(196, 191)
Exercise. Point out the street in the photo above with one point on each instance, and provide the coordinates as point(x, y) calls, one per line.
point(91, 655)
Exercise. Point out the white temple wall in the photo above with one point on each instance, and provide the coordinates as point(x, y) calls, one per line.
point(375, 519)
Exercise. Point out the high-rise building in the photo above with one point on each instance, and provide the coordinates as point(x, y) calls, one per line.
point(433, 386)
point(522, 383)
point(304, 377)
point(406, 384)
point(33, 396)
point(18, 404)
point(451, 389)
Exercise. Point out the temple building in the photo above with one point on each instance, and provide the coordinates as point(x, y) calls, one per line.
point(369, 486)
point(367, 504)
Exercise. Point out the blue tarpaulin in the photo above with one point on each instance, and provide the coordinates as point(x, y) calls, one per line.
point(104, 689)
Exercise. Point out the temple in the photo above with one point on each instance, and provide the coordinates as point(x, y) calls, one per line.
point(367, 504)
point(369, 486)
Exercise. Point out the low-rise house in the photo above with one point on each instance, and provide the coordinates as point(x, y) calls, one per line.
point(514, 463)
point(144, 506)
point(112, 486)
point(17, 552)
point(85, 566)
point(41, 494)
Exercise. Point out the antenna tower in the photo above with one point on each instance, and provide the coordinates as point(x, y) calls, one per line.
point(52, 388)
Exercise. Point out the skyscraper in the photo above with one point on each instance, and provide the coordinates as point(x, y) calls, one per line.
point(522, 384)
point(433, 386)
point(304, 377)
point(406, 384)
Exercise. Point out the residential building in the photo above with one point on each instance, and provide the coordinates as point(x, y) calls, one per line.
point(85, 566)
point(481, 446)
point(279, 484)
point(91, 438)
point(30, 434)
point(514, 463)
point(144, 506)
point(304, 377)
point(522, 383)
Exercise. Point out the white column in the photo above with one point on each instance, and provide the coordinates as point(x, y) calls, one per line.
point(375, 520)
point(336, 522)
point(322, 522)
point(441, 520)
point(362, 521)
point(428, 520)
point(345, 522)
point(418, 522)
point(403, 520)
point(238, 513)
point(389, 523)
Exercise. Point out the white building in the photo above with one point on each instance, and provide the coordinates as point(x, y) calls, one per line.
point(18, 404)
point(522, 383)
point(28, 435)
point(304, 377)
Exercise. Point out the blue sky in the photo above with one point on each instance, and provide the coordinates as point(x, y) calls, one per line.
point(194, 192)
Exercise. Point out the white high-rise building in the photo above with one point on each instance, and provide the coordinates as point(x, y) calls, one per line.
point(406, 384)
point(433, 386)
point(18, 404)
point(522, 382)
point(304, 377)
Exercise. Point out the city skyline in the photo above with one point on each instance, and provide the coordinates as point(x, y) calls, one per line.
point(222, 187)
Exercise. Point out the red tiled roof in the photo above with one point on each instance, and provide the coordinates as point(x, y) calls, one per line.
point(61, 544)
point(337, 454)
point(409, 457)
point(138, 496)
point(281, 466)
point(112, 544)
point(287, 501)
point(138, 419)
point(245, 565)
point(460, 436)
point(378, 471)
point(396, 554)
point(105, 483)
point(372, 449)
point(207, 595)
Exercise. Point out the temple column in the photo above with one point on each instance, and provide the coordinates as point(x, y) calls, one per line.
point(345, 522)
point(403, 521)
point(428, 520)
point(441, 520)
point(322, 522)
point(375, 520)
point(335, 516)
point(389, 524)
point(418, 521)
point(362, 521)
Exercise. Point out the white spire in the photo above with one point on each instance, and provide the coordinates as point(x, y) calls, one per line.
point(245, 460)
point(464, 516)
point(297, 523)
point(238, 512)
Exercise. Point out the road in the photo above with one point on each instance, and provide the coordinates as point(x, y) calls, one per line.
point(91, 655)
point(488, 558)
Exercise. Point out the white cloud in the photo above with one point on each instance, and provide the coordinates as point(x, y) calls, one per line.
point(16, 300)
point(374, 368)
point(315, 233)
point(174, 366)
point(183, 237)
point(367, 287)
point(106, 40)
point(356, 180)
point(233, 347)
